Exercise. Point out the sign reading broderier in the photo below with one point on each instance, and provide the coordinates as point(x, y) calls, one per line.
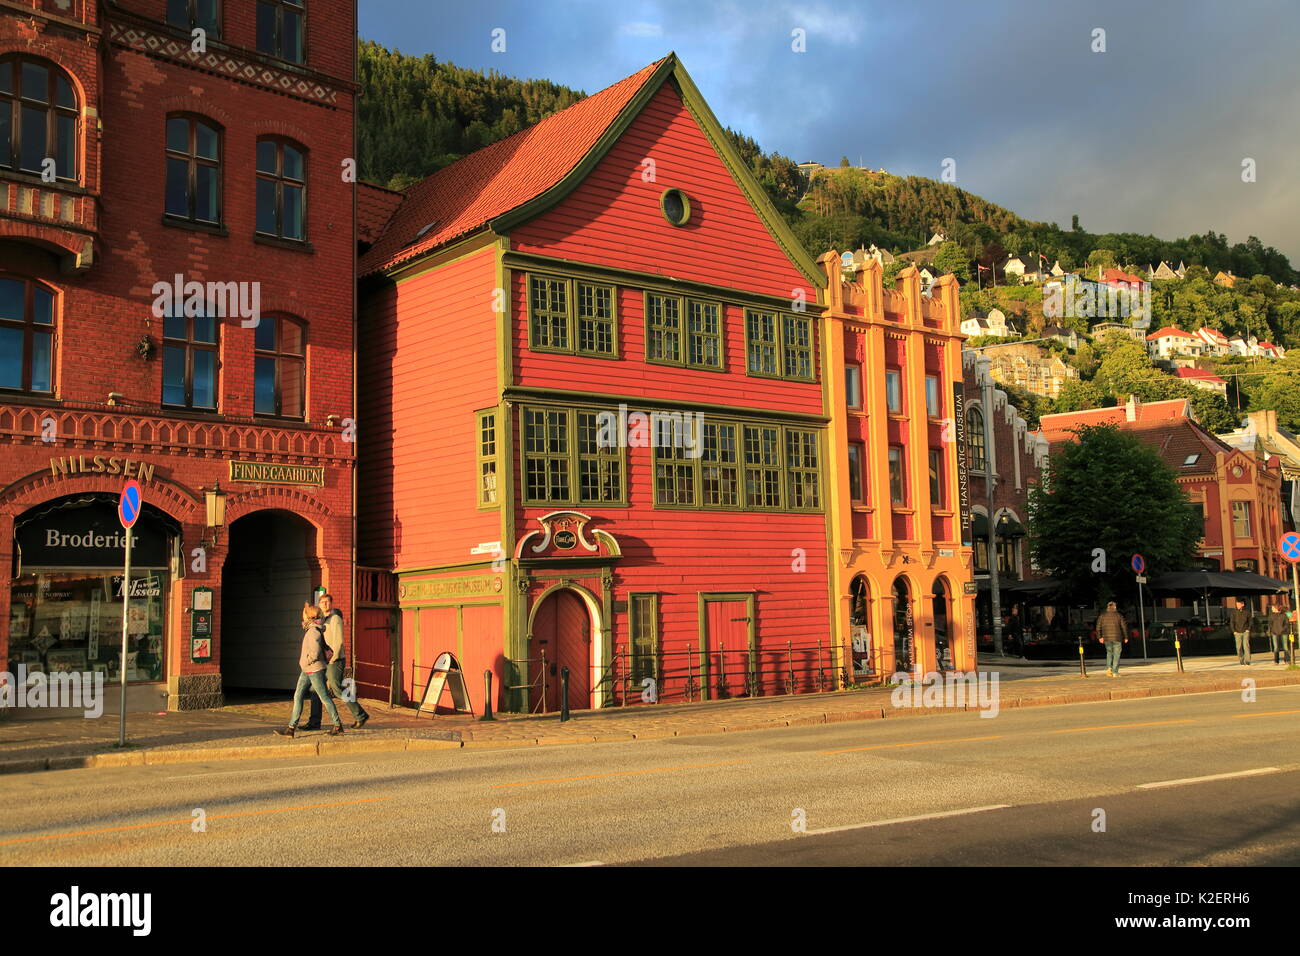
point(271, 473)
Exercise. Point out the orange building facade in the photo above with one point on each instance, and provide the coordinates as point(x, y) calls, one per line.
point(901, 516)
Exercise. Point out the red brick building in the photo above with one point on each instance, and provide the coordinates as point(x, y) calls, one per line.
point(149, 147)
point(1015, 459)
point(593, 422)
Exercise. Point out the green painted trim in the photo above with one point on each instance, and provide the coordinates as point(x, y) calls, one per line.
point(684, 303)
point(686, 206)
point(437, 569)
point(776, 225)
point(523, 393)
point(650, 280)
point(571, 426)
point(572, 566)
point(479, 457)
point(571, 317)
point(444, 255)
point(656, 639)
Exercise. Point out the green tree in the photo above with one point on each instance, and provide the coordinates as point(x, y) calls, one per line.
point(1102, 499)
point(1076, 395)
point(950, 257)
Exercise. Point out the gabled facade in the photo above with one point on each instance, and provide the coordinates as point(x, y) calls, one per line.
point(901, 517)
point(589, 442)
point(1169, 341)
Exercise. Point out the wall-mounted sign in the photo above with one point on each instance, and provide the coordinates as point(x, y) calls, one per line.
point(969, 587)
point(87, 534)
point(480, 584)
point(201, 626)
point(565, 540)
point(963, 477)
point(270, 473)
point(101, 465)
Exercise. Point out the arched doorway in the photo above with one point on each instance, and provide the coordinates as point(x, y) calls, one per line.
point(904, 626)
point(562, 629)
point(944, 653)
point(862, 661)
point(270, 570)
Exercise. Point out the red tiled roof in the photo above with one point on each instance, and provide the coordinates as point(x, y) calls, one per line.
point(1169, 330)
point(1197, 373)
point(1176, 442)
point(1119, 275)
point(1056, 428)
point(465, 196)
point(375, 206)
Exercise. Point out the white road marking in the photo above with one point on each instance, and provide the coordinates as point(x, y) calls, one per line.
point(227, 773)
point(924, 816)
point(584, 863)
point(1217, 776)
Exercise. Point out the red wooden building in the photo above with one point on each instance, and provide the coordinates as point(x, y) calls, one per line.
point(145, 143)
point(592, 415)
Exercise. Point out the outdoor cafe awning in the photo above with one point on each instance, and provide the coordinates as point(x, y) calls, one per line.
point(1215, 583)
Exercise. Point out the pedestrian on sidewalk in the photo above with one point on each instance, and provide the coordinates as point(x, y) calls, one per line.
point(1112, 631)
point(312, 662)
point(334, 670)
point(1278, 628)
point(1239, 621)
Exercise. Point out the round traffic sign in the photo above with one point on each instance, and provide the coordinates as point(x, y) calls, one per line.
point(1139, 563)
point(130, 504)
point(1289, 545)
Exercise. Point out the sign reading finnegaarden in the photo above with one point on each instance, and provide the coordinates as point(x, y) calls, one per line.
point(273, 474)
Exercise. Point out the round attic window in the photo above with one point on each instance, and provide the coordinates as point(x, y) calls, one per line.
point(676, 207)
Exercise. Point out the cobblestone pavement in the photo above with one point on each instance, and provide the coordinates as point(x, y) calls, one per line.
point(243, 729)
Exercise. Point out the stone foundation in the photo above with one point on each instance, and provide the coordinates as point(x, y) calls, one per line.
point(194, 692)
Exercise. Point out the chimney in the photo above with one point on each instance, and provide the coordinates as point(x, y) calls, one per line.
point(1130, 408)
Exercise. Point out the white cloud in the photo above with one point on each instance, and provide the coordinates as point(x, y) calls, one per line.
point(641, 29)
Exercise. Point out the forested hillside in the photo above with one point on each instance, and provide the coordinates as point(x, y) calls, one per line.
point(418, 114)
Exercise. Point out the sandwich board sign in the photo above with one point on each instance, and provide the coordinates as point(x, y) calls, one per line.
point(446, 675)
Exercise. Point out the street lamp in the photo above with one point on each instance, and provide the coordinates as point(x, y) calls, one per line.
point(215, 499)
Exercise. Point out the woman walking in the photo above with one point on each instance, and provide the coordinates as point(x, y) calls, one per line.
point(312, 661)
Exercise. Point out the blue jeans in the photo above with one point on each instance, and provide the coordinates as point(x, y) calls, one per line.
point(317, 683)
point(1113, 650)
point(334, 681)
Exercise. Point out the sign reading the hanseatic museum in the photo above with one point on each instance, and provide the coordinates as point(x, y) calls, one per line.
point(270, 473)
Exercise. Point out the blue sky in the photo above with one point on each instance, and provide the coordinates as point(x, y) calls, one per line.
point(1148, 136)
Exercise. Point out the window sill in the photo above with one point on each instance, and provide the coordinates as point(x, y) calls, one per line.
point(298, 245)
point(178, 223)
point(34, 179)
point(29, 398)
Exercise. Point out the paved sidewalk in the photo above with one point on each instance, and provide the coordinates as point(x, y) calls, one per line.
point(30, 743)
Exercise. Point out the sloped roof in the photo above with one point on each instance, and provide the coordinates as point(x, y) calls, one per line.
point(1214, 335)
point(375, 206)
point(1199, 374)
point(1167, 331)
point(1057, 427)
point(465, 196)
point(1119, 275)
point(1176, 442)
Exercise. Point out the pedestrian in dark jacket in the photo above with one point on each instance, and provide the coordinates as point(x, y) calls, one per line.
point(1112, 631)
point(1239, 621)
point(312, 660)
point(1277, 633)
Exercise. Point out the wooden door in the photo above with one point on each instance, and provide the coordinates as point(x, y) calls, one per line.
point(562, 628)
point(373, 663)
point(726, 664)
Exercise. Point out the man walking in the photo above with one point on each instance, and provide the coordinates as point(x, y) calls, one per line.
point(1278, 628)
point(334, 670)
point(1112, 630)
point(1239, 621)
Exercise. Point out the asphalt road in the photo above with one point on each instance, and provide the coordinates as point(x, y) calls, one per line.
point(728, 799)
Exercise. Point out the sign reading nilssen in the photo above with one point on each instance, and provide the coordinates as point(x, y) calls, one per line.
point(273, 474)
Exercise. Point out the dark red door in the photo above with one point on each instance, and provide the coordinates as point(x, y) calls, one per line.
point(373, 665)
point(562, 628)
point(728, 644)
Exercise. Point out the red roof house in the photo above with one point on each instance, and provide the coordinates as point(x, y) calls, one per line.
point(588, 441)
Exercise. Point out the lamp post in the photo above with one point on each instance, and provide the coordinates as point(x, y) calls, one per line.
point(995, 594)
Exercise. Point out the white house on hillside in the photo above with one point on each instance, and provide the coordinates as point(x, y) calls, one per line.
point(1169, 341)
point(1216, 343)
point(993, 322)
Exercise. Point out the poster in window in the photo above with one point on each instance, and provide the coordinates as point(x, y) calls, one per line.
point(137, 617)
point(19, 622)
point(65, 660)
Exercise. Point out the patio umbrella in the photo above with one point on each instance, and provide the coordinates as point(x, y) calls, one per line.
point(1206, 584)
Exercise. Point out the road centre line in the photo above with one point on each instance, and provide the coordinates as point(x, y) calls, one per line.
point(214, 816)
point(1217, 776)
point(1267, 713)
point(620, 773)
point(1149, 723)
point(916, 743)
point(924, 816)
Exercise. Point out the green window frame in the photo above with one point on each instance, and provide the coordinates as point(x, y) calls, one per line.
point(643, 636)
point(803, 489)
point(683, 331)
point(562, 459)
point(780, 345)
point(740, 466)
point(572, 316)
point(487, 458)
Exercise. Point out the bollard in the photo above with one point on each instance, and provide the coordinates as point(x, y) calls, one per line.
point(1083, 668)
point(487, 696)
point(564, 693)
point(1178, 650)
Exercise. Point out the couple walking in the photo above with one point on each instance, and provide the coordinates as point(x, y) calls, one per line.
point(321, 663)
